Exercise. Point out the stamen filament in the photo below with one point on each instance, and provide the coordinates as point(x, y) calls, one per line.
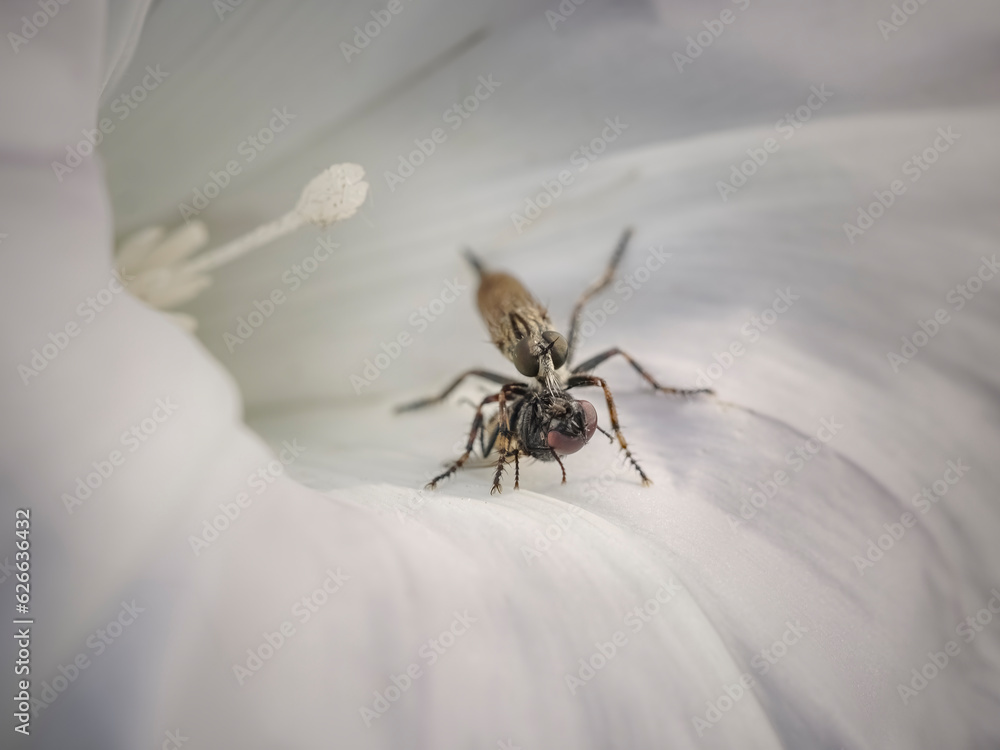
point(333, 195)
point(262, 235)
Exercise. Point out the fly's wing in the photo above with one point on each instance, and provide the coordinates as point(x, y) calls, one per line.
point(507, 307)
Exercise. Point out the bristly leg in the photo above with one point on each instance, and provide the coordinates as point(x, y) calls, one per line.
point(497, 487)
point(605, 433)
point(594, 289)
point(559, 461)
point(487, 446)
point(517, 470)
point(505, 436)
point(594, 361)
point(477, 428)
point(583, 380)
point(431, 400)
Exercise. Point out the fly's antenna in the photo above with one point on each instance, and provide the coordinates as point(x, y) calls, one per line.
point(474, 261)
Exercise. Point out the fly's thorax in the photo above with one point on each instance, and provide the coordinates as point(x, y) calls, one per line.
point(509, 311)
point(520, 327)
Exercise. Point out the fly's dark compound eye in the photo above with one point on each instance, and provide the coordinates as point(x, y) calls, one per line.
point(525, 362)
point(558, 347)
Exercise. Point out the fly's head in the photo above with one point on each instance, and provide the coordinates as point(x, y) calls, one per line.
point(535, 353)
point(540, 355)
point(556, 423)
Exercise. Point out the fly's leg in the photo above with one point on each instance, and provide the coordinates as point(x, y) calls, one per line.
point(477, 427)
point(503, 444)
point(594, 289)
point(583, 380)
point(605, 433)
point(430, 401)
point(505, 437)
point(593, 362)
point(559, 461)
point(487, 446)
point(498, 474)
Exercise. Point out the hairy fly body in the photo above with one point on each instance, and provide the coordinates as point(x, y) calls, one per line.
point(538, 418)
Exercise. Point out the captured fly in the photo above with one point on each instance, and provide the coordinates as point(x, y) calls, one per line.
point(538, 418)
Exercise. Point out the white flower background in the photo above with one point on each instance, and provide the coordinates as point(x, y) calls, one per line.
point(350, 500)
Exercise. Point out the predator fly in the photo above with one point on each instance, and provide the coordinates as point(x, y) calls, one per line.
point(538, 417)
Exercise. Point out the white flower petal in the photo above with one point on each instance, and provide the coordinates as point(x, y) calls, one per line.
point(131, 254)
point(211, 610)
point(177, 291)
point(184, 321)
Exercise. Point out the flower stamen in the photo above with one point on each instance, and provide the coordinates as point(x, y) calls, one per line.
point(155, 264)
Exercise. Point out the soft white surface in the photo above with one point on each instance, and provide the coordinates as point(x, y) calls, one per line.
point(461, 549)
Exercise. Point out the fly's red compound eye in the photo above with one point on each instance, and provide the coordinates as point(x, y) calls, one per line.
point(565, 444)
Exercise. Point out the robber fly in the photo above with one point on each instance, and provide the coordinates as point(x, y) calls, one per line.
point(538, 418)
